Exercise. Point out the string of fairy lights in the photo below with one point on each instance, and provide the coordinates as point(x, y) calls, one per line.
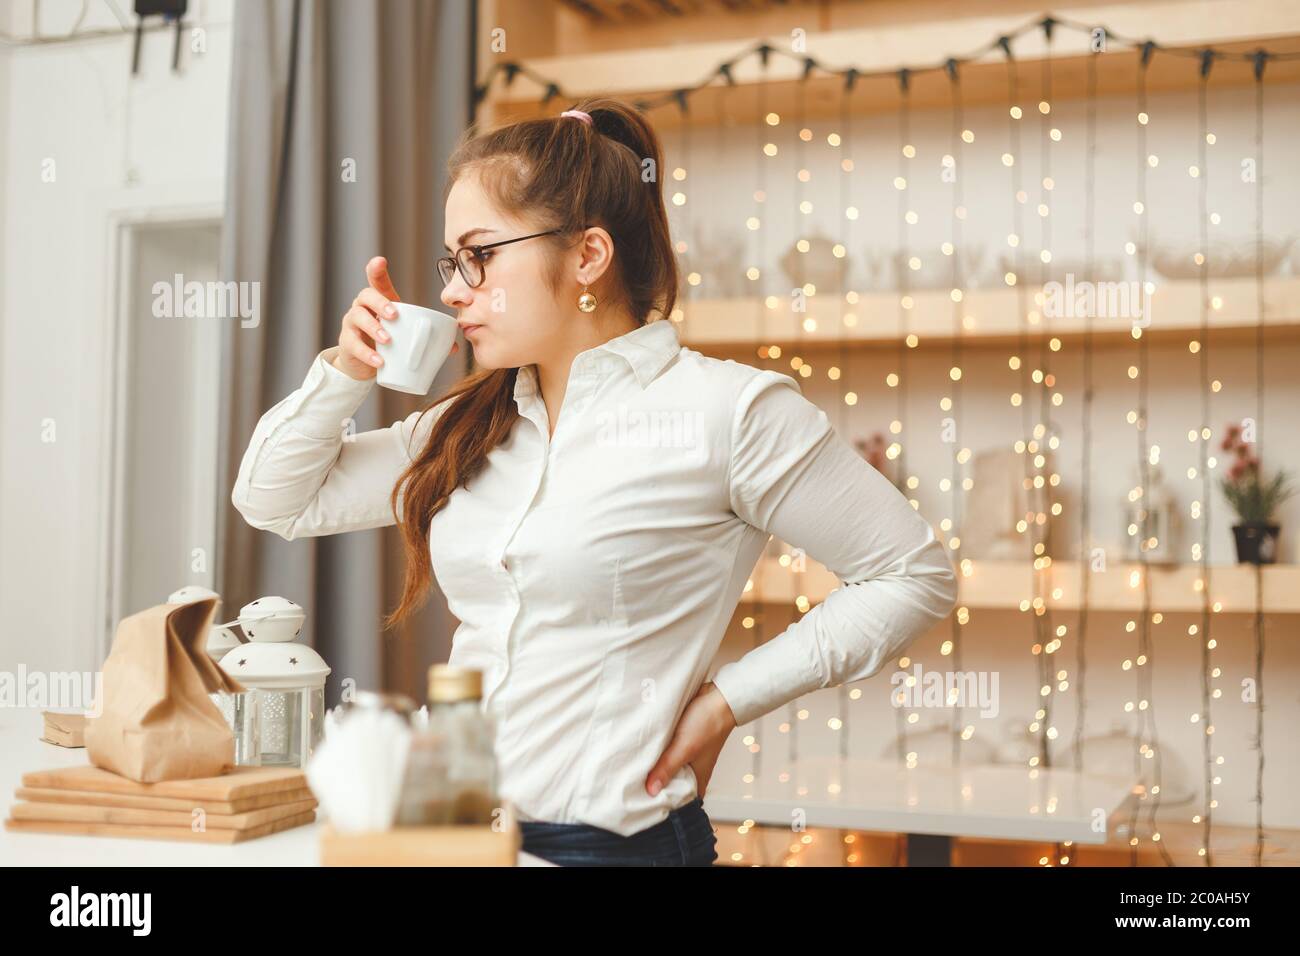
point(756, 619)
point(1259, 451)
point(1148, 748)
point(1037, 396)
point(1086, 408)
point(952, 404)
point(1042, 443)
point(684, 245)
point(904, 716)
point(842, 368)
point(798, 303)
point(1016, 362)
point(1141, 530)
point(1201, 507)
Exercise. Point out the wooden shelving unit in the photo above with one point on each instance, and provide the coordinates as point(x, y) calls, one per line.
point(1004, 585)
point(642, 50)
point(743, 324)
point(645, 49)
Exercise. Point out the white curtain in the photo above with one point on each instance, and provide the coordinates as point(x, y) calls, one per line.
point(342, 117)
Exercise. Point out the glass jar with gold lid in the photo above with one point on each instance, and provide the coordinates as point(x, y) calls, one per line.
point(451, 769)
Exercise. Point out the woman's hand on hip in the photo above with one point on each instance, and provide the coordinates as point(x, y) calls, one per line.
point(697, 740)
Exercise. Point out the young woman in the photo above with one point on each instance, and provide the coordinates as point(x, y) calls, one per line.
point(593, 499)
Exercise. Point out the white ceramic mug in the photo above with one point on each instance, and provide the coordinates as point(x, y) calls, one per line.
point(421, 341)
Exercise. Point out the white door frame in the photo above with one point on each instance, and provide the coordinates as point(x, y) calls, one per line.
point(123, 227)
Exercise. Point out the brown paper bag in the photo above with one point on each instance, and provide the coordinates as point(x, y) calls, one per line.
point(157, 721)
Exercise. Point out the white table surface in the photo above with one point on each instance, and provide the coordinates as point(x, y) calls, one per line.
point(995, 802)
point(988, 801)
point(22, 751)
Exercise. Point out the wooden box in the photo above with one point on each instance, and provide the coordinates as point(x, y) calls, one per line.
point(479, 845)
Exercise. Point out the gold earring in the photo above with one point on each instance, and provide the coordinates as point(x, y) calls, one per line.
point(586, 301)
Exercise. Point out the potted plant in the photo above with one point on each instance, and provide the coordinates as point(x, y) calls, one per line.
point(1254, 499)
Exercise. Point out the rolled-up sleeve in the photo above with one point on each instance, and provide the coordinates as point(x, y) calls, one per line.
point(793, 476)
point(307, 471)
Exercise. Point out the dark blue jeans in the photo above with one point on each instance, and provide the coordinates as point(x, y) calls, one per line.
point(685, 838)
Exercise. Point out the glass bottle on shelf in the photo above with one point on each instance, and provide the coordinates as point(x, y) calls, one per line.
point(1155, 510)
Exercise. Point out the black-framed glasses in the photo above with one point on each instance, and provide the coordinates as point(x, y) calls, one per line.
point(470, 262)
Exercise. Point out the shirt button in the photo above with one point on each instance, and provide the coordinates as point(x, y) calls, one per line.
point(504, 565)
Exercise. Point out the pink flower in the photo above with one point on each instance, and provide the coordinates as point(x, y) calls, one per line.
point(1237, 470)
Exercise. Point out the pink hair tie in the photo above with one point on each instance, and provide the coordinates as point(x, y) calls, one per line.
point(578, 114)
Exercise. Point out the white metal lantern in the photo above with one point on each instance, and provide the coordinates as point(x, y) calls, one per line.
point(280, 718)
point(221, 641)
point(193, 592)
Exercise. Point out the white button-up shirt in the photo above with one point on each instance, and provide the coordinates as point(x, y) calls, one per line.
point(594, 572)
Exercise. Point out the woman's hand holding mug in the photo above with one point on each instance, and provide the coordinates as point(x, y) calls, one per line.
point(361, 329)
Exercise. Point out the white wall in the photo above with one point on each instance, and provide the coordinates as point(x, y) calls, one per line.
point(169, 488)
point(122, 147)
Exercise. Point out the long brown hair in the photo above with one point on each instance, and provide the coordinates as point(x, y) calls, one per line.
point(566, 175)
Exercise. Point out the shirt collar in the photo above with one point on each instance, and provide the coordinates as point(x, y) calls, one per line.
point(647, 349)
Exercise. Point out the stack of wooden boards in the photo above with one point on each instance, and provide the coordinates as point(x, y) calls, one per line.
point(246, 803)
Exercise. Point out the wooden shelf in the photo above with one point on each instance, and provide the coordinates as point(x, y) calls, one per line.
point(1234, 845)
point(1003, 585)
point(991, 318)
point(632, 61)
